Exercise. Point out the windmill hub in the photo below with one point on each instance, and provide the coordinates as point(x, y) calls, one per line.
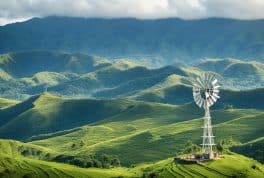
point(205, 94)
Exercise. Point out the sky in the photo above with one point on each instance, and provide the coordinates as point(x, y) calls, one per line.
point(20, 10)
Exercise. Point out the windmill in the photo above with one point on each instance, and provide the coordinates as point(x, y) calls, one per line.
point(205, 94)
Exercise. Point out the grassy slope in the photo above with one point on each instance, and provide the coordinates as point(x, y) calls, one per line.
point(236, 73)
point(180, 94)
point(120, 78)
point(151, 131)
point(233, 67)
point(49, 113)
point(129, 127)
point(253, 149)
point(228, 166)
point(26, 167)
point(7, 102)
point(12, 164)
point(38, 61)
point(44, 68)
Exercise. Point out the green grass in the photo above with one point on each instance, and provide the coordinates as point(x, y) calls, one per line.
point(7, 102)
point(13, 164)
point(49, 113)
point(150, 132)
point(25, 167)
point(253, 149)
point(135, 131)
point(236, 73)
point(226, 166)
point(52, 61)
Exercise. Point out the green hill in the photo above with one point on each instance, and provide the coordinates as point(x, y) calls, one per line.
point(253, 149)
point(48, 113)
point(150, 131)
point(6, 103)
point(120, 127)
point(81, 75)
point(48, 78)
point(236, 73)
point(22, 160)
point(39, 61)
point(228, 166)
point(14, 164)
point(121, 78)
point(182, 93)
point(146, 81)
point(44, 69)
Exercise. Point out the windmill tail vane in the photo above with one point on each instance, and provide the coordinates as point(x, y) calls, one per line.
point(205, 94)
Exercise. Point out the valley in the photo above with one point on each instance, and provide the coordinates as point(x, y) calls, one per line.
point(74, 102)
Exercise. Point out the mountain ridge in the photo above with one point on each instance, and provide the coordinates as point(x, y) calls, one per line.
point(168, 43)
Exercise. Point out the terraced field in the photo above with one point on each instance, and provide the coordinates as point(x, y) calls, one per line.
point(231, 165)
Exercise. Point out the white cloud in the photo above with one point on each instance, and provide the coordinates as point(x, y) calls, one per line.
point(13, 10)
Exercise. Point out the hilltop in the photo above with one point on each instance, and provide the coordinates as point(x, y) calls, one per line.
point(48, 113)
point(52, 61)
point(240, 74)
point(82, 75)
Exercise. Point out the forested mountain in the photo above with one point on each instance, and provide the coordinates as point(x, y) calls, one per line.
point(161, 41)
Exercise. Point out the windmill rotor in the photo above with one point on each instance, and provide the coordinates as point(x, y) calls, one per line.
point(205, 90)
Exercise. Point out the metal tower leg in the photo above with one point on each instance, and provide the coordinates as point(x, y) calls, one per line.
point(208, 140)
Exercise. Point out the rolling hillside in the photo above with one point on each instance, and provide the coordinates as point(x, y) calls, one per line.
point(12, 164)
point(236, 73)
point(145, 139)
point(253, 149)
point(49, 113)
point(39, 61)
point(6, 103)
point(181, 93)
point(124, 128)
point(81, 75)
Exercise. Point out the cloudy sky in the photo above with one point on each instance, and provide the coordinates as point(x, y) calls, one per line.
point(19, 10)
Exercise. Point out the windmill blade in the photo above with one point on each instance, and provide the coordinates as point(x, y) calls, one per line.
point(216, 96)
point(196, 91)
point(200, 82)
point(211, 102)
point(213, 98)
point(207, 82)
point(195, 94)
point(205, 79)
point(200, 102)
point(197, 98)
point(216, 86)
point(211, 77)
point(196, 85)
point(216, 91)
point(214, 82)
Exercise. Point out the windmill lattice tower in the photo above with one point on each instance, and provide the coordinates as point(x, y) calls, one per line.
point(205, 94)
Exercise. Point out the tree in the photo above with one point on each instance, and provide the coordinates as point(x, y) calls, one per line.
point(228, 106)
point(115, 162)
point(190, 147)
